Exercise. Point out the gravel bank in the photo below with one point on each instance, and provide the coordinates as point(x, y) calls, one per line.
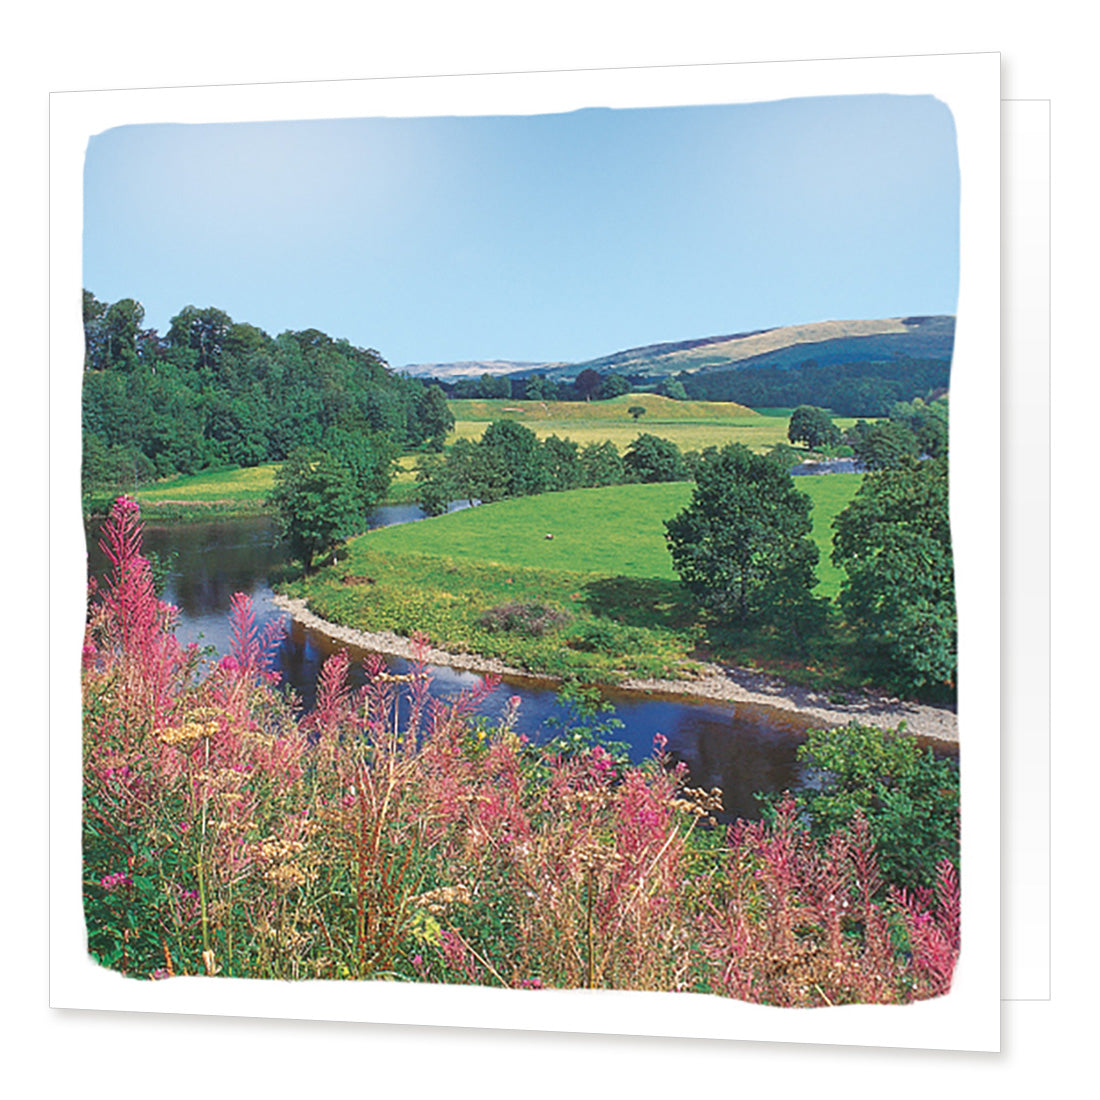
point(713, 683)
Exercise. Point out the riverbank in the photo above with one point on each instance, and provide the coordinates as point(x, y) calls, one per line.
point(711, 682)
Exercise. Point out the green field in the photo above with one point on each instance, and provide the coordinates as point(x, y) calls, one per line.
point(240, 491)
point(615, 530)
point(691, 425)
point(618, 530)
point(607, 568)
point(221, 486)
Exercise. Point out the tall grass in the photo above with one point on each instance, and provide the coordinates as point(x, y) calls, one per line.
point(389, 835)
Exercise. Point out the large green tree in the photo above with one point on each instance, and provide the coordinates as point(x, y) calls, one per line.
point(742, 546)
point(650, 458)
point(883, 445)
point(814, 427)
point(436, 417)
point(511, 461)
point(893, 542)
point(561, 464)
point(601, 464)
point(315, 498)
point(370, 459)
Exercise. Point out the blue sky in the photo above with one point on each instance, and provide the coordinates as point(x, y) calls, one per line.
point(552, 237)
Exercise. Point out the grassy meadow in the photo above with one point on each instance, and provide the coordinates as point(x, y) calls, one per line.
point(240, 491)
point(617, 530)
point(606, 576)
point(691, 425)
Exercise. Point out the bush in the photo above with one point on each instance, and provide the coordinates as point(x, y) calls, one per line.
point(533, 619)
point(909, 799)
point(595, 637)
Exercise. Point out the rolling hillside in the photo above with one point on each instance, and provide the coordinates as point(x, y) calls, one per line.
point(825, 342)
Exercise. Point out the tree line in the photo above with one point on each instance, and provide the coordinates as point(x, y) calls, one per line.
point(212, 391)
point(910, 429)
point(509, 460)
point(589, 385)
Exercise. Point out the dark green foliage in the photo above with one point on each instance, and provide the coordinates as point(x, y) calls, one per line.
point(316, 499)
point(814, 427)
point(215, 392)
point(488, 386)
point(743, 546)
point(909, 798)
point(587, 384)
point(613, 385)
point(650, 458)
point(847, 389)
point(884, 445)
point(370, 459)
point(561, 463)
point(636, 411)
point(537, 388)
point(602, 464)
point(694, 459)
point(508, 461)
point(433, 491)
point(436, 417)
point(894, 543)
point(511, 461)
point(927, 421)
point(674, 388)
point(784, 455)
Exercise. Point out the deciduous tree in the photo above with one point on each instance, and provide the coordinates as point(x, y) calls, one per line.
point(314, 495)
point(894, 543)
point(742, 546)
point(650, 458)
point(814, 427)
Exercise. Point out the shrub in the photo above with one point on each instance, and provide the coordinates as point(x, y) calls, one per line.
point(533, 619)
point(909, 799)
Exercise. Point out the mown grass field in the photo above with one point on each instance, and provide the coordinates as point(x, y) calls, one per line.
point(691, 425)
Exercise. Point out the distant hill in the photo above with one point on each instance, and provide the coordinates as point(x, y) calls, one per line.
point(473, 368)
point(824, 342)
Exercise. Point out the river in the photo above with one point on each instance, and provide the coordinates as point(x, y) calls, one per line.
point(738, 747)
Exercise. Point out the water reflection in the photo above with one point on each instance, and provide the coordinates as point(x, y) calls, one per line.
point(741, 749)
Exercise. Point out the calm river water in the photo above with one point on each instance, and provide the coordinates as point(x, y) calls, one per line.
point(739, 748)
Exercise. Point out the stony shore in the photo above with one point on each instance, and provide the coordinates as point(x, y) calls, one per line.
point(714, 682)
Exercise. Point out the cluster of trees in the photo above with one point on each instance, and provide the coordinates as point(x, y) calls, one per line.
point(742, 546)
point(589, 385)
point(509, 460)
point(912, 429)
point(849, 389)
point(212, 391)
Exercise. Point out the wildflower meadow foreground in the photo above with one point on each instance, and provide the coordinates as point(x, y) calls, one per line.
point(389, 835)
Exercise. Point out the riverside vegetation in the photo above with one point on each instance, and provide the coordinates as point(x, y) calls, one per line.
point(389, 836)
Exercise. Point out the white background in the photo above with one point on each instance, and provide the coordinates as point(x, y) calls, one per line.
point(119, 45)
